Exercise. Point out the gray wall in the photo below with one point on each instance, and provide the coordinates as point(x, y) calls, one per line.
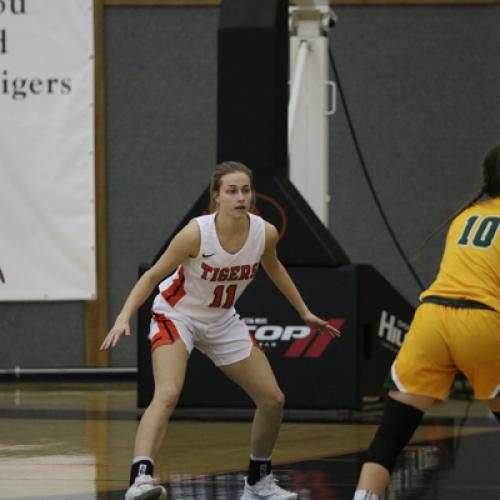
point(423, 84)
point(161, 75)
point(423, 88)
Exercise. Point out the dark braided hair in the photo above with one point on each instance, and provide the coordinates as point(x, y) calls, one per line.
point(491, 187)
point(491, 172)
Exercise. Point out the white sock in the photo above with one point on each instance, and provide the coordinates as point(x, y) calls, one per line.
point(365, 495)
point(261, 459)
point(140, 457)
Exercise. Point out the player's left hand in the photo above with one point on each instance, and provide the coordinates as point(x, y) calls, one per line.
point(321, 325)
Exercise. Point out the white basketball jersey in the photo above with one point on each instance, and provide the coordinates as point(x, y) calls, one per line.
point(206, 287)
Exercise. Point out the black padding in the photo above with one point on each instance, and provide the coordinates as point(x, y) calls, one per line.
point(398, 425)
point(252, 94)
point(497, 415)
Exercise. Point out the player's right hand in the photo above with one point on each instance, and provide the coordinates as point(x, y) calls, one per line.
point(114, 335)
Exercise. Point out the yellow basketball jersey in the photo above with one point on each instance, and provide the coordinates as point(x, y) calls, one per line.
point(470, 267)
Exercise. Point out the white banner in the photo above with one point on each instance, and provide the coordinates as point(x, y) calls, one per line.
point(47, 209)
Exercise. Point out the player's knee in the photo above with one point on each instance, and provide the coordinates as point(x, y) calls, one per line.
point(273, 401)
point(280, 400)
point(398, 425)
point(166, 396)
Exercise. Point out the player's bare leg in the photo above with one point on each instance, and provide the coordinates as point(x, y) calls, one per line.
point(169, 369)
point(255, 376)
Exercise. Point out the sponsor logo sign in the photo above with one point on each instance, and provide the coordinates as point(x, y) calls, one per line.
point(295, 341)
point(392, 330)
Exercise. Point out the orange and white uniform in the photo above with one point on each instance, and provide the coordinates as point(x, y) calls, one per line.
point(196, 303)
point(457, 326)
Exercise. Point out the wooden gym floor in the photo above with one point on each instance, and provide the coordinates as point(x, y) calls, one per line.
point(73, 441)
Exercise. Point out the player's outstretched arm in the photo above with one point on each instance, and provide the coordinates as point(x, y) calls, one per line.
point(280, 277)
point(184, 245)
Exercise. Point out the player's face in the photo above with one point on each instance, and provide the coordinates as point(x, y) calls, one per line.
point(235, 194)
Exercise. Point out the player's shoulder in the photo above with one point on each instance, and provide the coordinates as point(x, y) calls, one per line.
point(490, 206)
point(201, 220)
point(486, 206)
point(190, 233)
point(271, 232)
point(192, 226)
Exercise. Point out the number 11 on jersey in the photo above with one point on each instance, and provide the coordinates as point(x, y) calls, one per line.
point(219, 296)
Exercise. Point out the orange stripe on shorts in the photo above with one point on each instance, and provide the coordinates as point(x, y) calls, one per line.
point(167, 333)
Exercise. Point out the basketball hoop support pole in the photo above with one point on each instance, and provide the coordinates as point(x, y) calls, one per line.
point(311, 102)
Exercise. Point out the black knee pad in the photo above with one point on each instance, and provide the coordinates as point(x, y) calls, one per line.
point(398, 425)
point(497, 415)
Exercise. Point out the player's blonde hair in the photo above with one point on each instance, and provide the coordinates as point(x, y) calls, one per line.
point(222, 169)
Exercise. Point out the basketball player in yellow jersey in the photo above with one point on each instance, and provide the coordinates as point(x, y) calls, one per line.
point(213, 258)
point(456, 328)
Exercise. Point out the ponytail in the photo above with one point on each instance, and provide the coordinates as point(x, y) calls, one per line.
point(443, 224)
point(491, 172)
point(491, 187)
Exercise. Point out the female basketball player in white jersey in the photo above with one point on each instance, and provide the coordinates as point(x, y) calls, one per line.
point(214, 257)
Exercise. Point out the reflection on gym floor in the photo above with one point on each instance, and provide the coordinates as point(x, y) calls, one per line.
point(74, 441)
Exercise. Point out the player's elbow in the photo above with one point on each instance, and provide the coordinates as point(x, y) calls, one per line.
point(151, 278)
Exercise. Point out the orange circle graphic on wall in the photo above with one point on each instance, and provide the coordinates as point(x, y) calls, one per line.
point(279, 212)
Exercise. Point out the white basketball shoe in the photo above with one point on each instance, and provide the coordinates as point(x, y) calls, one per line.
point(267, 489)
point(146, 488)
